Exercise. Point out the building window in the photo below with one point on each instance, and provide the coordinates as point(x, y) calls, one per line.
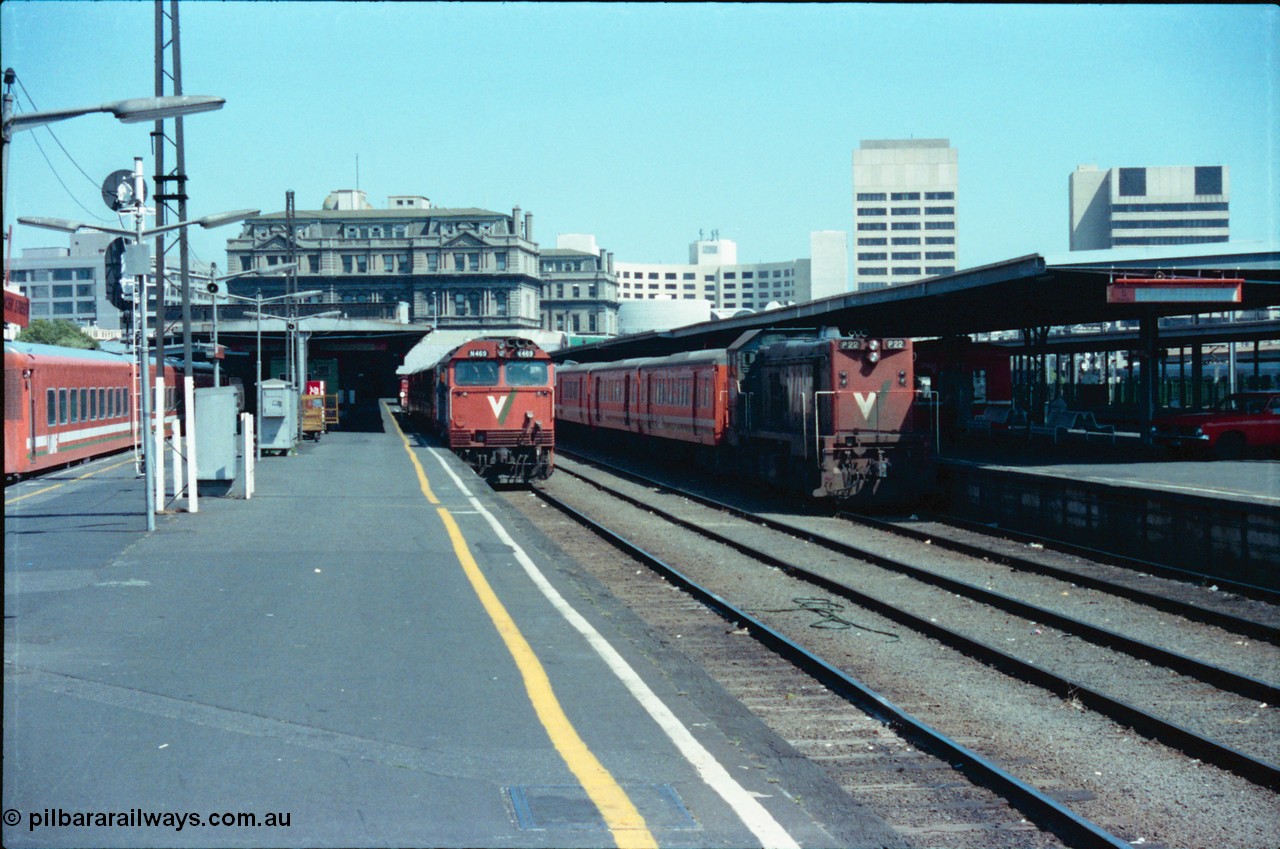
point(939, 240)
point(872, 210)
point(939, 254)
point(939, 210)
point(362, 264)
point(907, 210)
point(501, 259)
point(906, 240)
point(906, 254)
point(473, 262)
point(347, 263)
point(906, 225)
point(939, 225)
point(388, 263)
point(878, 256)
point(907, 271)
point(459, 262)
point(862, 242)
point(905, 196)
point(939, 195)
point(874, 225)
point(1209, 180)
point(872, 196)
point(1133, 182)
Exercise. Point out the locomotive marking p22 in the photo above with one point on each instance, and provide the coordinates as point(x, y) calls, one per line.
point(501, 405)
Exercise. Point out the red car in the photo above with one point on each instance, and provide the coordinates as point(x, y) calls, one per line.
point(1240, 422)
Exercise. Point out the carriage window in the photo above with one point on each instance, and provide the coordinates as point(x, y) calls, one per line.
point(75, 408)
point(52, 405)
point(84, 405)
point(476, 373)
point(102, 403)
point(62, 406)
point(530, 373)
point(93, 405)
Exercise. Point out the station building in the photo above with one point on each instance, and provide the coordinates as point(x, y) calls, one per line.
point(904, 211)
point(453, 268)
point(1132, 207)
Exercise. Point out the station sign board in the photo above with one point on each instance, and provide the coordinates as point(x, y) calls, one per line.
point(1176, 290)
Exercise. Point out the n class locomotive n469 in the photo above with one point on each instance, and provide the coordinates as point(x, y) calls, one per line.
point(491, 401)
point(807, 410)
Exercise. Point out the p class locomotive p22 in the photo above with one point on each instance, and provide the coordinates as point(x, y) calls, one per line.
point(811, 411)
point(491, 401)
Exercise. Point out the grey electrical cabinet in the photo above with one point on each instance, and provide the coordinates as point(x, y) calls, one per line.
point(278, 418)
point(215, 420)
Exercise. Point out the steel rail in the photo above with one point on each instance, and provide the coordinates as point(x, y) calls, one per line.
point(1225, 679)
point(1191, 743)
point(1074, 830)
point(1172, 573)
point(1226, 621)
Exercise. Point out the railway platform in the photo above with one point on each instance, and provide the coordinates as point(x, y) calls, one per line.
point(1218, 518)
point(372, 650)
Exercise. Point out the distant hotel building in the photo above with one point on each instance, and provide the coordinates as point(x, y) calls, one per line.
point(1123, 207)
point(904, 211)
point(713, 274)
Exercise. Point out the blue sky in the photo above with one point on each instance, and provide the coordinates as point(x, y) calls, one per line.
point(645, 123)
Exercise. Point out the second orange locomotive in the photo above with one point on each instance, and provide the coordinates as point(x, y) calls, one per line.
point(491, 401)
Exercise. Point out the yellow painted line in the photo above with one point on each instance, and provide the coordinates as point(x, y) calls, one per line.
point(616, 808)
point(18, 498)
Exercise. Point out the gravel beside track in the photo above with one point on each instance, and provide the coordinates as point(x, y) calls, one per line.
point(1135, 788)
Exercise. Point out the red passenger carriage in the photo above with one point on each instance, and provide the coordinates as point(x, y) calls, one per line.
point(64, 405)
point(491, 401)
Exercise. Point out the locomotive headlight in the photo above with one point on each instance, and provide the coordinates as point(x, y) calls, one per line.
point(874, 347)
point(902, 378)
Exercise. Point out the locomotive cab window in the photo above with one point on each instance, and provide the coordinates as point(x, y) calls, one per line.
point(526, 373)
point(475, 373)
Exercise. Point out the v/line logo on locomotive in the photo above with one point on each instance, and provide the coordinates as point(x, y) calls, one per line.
point(502, 405)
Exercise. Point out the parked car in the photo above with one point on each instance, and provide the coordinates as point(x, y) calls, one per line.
point(1240, 422)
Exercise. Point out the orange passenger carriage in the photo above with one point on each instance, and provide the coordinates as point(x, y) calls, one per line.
point(492, 402)
point(65, 405)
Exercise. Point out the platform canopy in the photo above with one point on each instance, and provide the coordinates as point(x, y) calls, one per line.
point(1016, 294)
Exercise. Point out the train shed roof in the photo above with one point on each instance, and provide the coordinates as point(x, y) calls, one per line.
point(1025, 292)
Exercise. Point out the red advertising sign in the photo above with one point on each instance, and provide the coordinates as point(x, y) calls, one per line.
point(314, 387)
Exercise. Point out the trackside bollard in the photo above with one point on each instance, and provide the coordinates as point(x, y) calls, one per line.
point(189, 394)
point(177, 459)
point(159, 442)
point(246, 427)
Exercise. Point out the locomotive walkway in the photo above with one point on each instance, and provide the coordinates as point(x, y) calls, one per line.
point(370, 651)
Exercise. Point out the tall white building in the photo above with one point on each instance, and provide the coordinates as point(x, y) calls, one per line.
point(904, 211)
point(1126, 207)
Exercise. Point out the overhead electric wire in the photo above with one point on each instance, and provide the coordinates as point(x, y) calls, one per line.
point(31, 102)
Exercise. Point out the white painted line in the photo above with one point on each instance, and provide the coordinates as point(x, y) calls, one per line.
point(766, 829)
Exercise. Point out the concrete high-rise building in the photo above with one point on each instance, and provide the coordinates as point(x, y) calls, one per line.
point(714, 274)
point(1125, 207)
point(904, 211)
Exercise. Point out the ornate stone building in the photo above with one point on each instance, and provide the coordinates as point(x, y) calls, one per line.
point(454, 268)
point(579, 288)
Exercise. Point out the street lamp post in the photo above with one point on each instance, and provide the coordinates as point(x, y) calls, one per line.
point(132, 111)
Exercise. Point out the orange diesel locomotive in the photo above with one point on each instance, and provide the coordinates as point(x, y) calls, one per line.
point(64, 405)
point(491, 401)
point(813, 411)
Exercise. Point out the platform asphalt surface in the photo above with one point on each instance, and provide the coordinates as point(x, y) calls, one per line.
point(322, 658)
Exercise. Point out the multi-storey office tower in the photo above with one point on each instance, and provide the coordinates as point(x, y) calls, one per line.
point(1127, 207)
point(904, 211)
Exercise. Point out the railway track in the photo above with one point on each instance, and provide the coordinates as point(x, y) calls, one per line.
point(769, 575)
